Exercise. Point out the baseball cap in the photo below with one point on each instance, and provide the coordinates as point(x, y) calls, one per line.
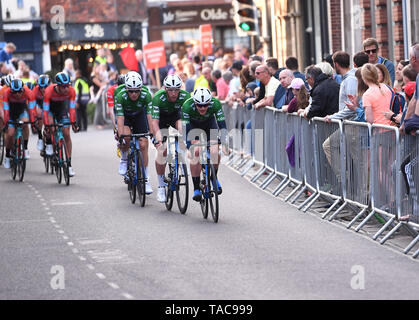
point(409, 88)
point(296, 83)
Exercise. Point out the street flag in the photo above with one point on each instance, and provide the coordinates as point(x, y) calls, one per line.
point(129, 59)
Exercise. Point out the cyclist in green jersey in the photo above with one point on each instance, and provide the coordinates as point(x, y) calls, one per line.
point(203, 113)
point(166, 112)
point(131, 104)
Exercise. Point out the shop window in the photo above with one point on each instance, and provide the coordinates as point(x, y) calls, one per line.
point(230, 38)
point(20, 4)
point(180, 35)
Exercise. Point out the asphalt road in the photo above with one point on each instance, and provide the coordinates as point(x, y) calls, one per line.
point(87, 241)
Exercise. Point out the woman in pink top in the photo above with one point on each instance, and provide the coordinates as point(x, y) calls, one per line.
point(376, 100)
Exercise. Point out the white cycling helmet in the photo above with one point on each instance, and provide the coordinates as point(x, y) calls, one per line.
point(133, 81)
point(202, 96)
point(172, 81)
point(8, 79)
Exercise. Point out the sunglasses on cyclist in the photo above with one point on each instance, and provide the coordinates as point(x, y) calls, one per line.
point(17, 92)
point(173, 90)
point(202, 106)
point(370, 51)
point(133, 91)
point(64, 85)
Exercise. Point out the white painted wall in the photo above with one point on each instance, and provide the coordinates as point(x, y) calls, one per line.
point(17, 12)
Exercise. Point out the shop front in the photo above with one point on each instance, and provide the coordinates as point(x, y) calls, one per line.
point(80, 41)
point(177, 24)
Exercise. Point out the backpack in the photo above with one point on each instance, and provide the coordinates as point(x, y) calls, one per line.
point(397, 101)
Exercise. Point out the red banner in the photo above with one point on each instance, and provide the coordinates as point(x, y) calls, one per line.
point(129, 59)
point(154, 54)
point(206, 39)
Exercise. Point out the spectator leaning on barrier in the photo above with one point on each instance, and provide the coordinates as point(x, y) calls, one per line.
point(376, 100)
point(324, 94)
point(271, 84)
point(348, 87)
point(370, 46)
point(301, 96)
point(411, 123)
point(292, 64)
point(283, 94)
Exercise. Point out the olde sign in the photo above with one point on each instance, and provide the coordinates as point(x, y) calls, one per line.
point(198, 15)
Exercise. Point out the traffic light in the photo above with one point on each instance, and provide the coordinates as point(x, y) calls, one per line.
point(245, 17)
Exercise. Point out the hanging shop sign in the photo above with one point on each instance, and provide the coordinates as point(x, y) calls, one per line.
point(197, 15)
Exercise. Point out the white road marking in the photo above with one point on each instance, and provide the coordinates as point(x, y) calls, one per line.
point(82, 258)
point(67, 203)
point(128, 296)
point(70, 244)
point(91, 267)
point(101, 276)
point(113, 285)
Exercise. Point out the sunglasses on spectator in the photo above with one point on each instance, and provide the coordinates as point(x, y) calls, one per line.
point(259, 72)
point(370, 51)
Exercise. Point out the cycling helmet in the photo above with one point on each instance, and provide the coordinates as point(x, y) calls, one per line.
point(62, 78)
point(121, 79)
point(133, 81)
point(202, 96)
point(172, 81)
point(30, 85)
point(16, 85)
point(8, 79)
point(43, 81)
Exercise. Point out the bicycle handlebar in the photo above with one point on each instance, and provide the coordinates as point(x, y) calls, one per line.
point(135, 135)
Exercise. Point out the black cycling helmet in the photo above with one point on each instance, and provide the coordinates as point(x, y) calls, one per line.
point(43, 81)
point(30, 85)
point(16, 85)
point(121, 79)
point(62, 78)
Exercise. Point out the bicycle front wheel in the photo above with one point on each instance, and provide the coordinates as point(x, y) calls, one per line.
point(213, 193)
point(65, 163)
point(21, 161)
point(140, 179)
point(1, 147)
point(204, 199)
point(169, 190)
point(58, 163)
point(182, 187)
point(131, 178)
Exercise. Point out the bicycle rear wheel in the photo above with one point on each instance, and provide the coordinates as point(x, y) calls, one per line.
point(169, 191)
point(47, 163)
point(213, 194)
point(140, 179)
point(131, 176)
point(182, 187)
point(1, 147)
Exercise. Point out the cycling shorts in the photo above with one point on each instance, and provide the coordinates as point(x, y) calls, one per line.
point(58, 110)
point(137, 122)
point(168, 120)
point(17, 117)
point(210, 127)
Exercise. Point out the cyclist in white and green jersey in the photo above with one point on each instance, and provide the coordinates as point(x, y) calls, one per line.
point(166, 112)
point(203, 113)
point(131, 104)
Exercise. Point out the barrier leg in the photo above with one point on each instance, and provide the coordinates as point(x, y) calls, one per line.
point(416, 254)
point(247, 168)
point(281, 187)
point(299, 194)
point(391, 233)
point(268, 180)
point(356, 218)
point(389, 222)
point(258, 174)
point(312, 202)
point(411, 245)
point(307, 200)
point(293, 191)
point(338, 211)
point(330, 209)
point(363, 222)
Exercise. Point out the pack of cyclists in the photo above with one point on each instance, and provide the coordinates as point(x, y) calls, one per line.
point(41, 104)
point(132, 109)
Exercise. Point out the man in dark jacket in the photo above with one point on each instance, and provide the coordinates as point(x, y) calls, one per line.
point(324, 94)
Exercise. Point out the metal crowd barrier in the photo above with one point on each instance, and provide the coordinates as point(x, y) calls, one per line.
point(371, 169)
